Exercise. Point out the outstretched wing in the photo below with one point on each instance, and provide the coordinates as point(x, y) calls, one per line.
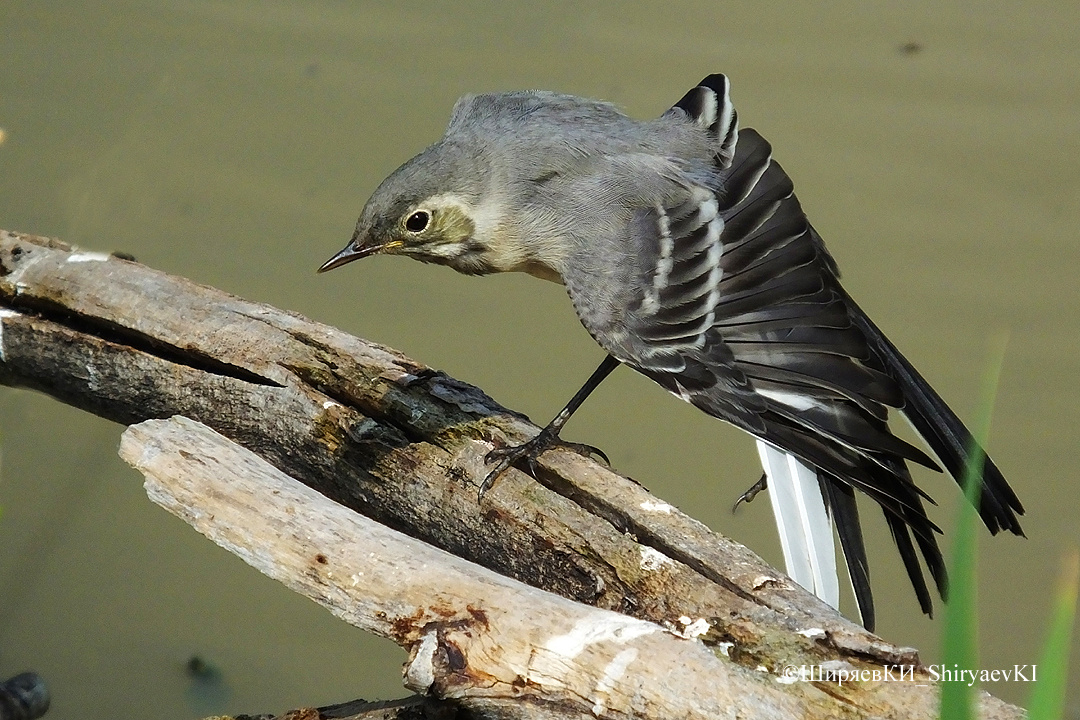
point(741, 313)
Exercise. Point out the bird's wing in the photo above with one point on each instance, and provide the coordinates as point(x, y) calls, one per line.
point(740, 312)
point(709, 106)
point(946, 434)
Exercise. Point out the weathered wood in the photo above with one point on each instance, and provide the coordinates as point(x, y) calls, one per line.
point(403, 445)
point(473, 634)
point(485, 640)
point(410, 708)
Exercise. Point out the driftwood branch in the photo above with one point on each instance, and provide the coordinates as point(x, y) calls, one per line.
point(403, 445)
point(474, 635)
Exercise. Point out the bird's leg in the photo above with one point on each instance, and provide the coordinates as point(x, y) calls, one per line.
point(547, 437)
point(751, 492)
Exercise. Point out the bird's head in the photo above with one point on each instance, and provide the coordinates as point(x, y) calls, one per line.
point(431, 209)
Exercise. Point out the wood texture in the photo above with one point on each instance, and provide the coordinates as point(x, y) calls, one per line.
point(403, 445)
point(474, 634)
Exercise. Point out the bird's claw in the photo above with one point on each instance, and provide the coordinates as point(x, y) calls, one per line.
point(751, 492)
point(530, 452)
point(504, 457)
point(493, 475)
point(589, 451)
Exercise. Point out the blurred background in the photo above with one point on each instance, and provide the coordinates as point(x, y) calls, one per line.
point(934, 146)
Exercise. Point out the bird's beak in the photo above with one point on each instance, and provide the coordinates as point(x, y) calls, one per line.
point(353, 251)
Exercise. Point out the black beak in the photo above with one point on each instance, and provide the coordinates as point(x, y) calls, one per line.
point(349, 253)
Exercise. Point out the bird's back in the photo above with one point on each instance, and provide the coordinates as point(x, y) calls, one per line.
point(532, 122)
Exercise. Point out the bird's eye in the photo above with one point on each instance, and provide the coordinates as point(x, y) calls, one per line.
point(418, 221)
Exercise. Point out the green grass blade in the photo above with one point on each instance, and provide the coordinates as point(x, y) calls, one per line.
point(1048, 696)
point(961, 619)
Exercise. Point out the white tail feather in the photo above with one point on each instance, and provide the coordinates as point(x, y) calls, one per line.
point(806, 532)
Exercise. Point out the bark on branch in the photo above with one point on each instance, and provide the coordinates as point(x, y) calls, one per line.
point(402, 445)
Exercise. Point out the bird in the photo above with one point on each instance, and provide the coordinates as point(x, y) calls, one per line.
point(688, 258)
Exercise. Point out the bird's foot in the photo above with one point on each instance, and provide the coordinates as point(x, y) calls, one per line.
point(530, 452)
point(751, 492)
point(504, 457)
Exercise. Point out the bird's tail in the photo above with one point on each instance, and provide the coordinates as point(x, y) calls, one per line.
point(840, 500)
point(806, 533)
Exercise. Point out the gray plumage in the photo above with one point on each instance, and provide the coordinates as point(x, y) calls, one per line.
point(688, 258)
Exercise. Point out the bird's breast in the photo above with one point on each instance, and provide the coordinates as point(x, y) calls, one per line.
point(541, 270)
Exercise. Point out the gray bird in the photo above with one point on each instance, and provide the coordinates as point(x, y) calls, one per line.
point(688, 258)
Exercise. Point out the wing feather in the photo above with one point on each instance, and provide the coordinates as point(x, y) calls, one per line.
point(737, 308)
